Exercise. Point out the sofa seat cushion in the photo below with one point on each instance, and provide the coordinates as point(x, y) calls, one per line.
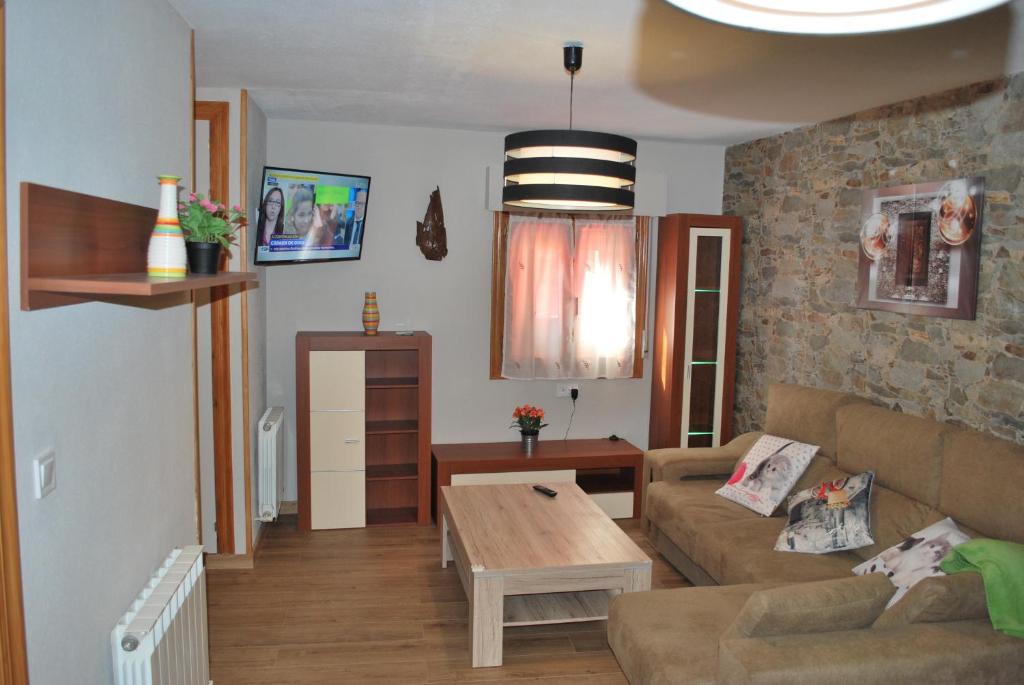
point(742, 552)
point(680, 509)
point(667, 637)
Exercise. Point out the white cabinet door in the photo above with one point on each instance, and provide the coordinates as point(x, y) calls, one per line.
point(337, 380)
point(337, 440)
point(338, 499)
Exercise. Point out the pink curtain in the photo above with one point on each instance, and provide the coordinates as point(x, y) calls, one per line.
point(570, 298)
point(539, 309)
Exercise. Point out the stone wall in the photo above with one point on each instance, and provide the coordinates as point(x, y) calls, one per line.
point(800, 196)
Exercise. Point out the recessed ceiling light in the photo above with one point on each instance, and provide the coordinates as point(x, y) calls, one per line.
point(833, 16)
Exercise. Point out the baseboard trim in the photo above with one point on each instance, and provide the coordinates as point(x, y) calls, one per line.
point(230, 562)
point(288, 508)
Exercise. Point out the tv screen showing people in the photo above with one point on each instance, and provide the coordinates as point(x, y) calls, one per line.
point(310, 216)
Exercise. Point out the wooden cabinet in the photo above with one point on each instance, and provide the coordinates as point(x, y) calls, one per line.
point(696, 310)
point(363, 415)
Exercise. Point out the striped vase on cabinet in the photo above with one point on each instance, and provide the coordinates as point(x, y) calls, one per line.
point(166, 257)
point(371, 314)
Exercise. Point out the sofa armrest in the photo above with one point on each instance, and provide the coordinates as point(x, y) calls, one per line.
point(673, 463)
point(956, 652)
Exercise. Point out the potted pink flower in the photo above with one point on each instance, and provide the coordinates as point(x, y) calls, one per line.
point(528, 420)
point(208, 227)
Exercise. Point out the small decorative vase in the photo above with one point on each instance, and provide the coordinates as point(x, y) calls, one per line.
point(166, 256)
point(203, 258)
point(371, 314)
point(529, 443)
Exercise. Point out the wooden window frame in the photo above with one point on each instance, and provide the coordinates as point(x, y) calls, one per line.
point(499, 264)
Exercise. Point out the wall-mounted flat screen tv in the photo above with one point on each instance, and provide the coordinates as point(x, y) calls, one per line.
point(310, 216)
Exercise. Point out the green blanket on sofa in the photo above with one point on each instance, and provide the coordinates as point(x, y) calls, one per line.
point(1001, 565)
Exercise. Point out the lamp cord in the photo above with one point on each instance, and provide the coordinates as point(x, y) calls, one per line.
point(572, 81)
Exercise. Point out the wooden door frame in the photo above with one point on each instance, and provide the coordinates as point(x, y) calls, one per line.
point(13, 653)
point(217, 114)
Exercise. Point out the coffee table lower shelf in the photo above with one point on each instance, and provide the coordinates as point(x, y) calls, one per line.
point(557, 607)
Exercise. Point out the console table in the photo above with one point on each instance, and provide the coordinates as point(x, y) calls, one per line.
point(610, 471)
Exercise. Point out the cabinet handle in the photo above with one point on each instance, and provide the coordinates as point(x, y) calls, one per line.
point(351, 441)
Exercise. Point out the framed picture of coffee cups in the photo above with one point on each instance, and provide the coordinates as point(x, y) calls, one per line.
point(920, 248)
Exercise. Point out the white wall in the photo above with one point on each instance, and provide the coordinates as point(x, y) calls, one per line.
point(256, 157)
point(98, 102)
point(449, 299)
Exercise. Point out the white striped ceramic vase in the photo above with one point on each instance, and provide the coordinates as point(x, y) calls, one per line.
point(166, 257)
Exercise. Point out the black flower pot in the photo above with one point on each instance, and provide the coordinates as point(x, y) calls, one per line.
point(203, 258)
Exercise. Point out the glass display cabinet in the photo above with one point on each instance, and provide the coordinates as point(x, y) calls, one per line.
point(696, 307)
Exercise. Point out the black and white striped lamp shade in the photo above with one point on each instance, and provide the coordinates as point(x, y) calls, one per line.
point(569, 171)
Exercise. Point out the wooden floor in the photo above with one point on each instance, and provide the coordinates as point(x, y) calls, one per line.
point(373, 605)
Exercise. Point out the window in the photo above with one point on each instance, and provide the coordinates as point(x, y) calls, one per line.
point(568, 296)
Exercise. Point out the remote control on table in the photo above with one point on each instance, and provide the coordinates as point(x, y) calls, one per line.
point(547, 491)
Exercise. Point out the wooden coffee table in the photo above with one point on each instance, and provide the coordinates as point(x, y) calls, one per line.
point(525, 559)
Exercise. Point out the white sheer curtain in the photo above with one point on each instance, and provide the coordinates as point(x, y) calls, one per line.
point(605, 287)
point(538, 312)
point(570, 298)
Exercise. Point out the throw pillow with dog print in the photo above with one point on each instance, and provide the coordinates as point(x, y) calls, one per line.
point(916, 558)
point(830, 517)
point(766, 474)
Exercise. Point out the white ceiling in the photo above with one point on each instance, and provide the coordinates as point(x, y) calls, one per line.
point(649, 70)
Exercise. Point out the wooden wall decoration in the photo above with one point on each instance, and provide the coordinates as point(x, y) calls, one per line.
point(430, 233)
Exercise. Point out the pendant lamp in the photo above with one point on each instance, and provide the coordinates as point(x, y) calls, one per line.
point(834, 17)
point(569, 170)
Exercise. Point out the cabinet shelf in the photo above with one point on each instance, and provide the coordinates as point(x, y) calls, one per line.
point(382, 427)
point(80, 248)
point(389, 383)
point(392, 472)
point(390, 516)
point(595, 481)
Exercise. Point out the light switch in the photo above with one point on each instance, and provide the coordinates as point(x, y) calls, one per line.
point(46, 474)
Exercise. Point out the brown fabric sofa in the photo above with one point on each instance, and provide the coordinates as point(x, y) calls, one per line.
point(779, 617)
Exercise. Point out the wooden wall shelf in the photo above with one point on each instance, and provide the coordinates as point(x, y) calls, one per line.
point(79, 248)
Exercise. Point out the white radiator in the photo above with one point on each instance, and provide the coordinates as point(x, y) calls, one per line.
point(271, 464)
point(162, 639)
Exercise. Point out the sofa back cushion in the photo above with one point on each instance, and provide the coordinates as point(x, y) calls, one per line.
point(806, 414)
point(902, 450)
point(981, 483)
point(821, 606)
point(893, 518)
point(960, 597)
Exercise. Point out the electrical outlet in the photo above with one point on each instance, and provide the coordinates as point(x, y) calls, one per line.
point(565, 389)
point(46, 474)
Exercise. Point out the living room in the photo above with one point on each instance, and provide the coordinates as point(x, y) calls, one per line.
point(790, 133)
